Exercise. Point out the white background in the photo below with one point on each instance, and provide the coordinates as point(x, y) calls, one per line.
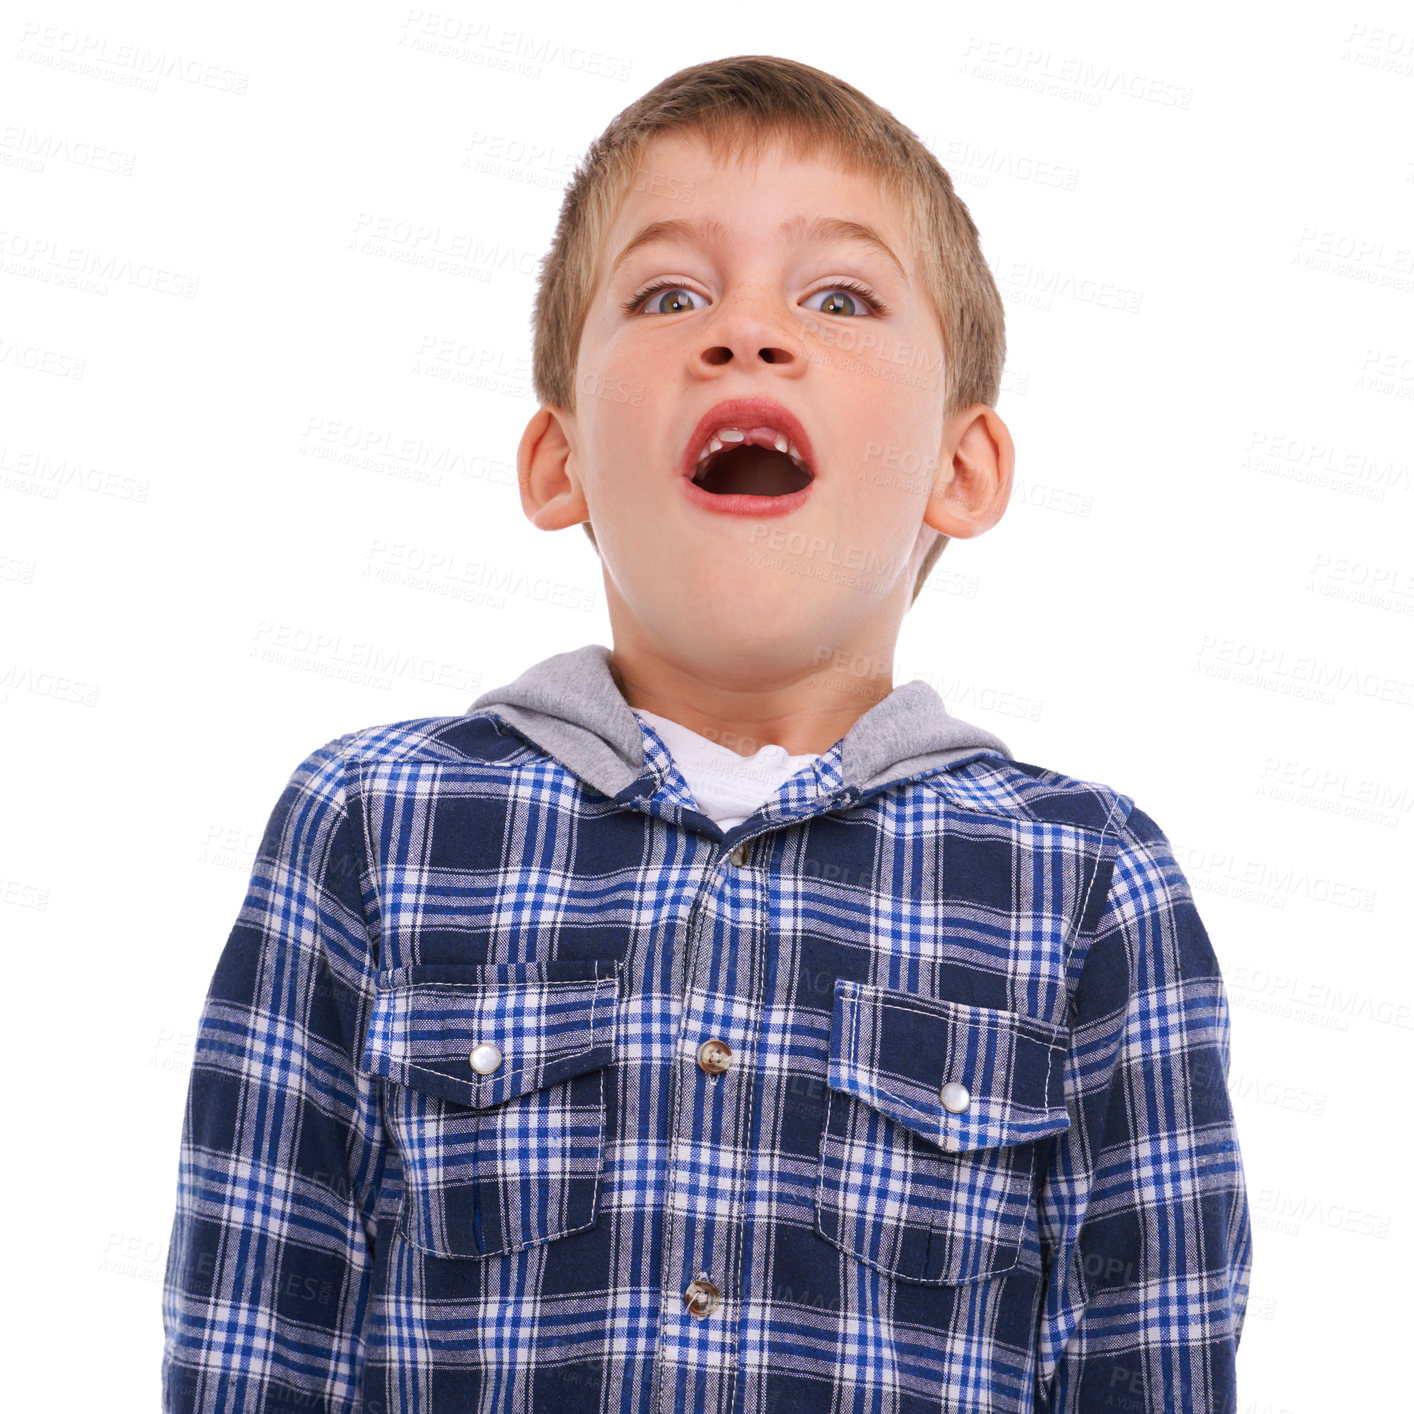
point(257, 482)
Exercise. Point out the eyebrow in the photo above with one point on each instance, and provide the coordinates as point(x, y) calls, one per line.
point(797, 228)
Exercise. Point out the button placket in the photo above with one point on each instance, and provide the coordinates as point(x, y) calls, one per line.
point(702, 1239)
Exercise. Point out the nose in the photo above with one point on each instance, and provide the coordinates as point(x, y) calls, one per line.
point(748, 328)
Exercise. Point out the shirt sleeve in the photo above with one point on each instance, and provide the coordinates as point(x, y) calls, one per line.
point(1144, 1216)
point(272, 1245)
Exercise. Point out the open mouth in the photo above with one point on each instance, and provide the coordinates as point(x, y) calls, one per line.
point(748, 456)
point(744, 469)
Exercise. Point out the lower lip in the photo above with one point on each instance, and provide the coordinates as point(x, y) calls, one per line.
point(745, 505)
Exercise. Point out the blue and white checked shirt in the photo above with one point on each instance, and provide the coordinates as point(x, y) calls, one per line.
point(455, 1139)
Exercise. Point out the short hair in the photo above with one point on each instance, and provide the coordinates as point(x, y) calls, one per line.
point(737, 106)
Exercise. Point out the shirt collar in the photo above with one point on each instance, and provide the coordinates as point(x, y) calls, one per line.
point(570, 706)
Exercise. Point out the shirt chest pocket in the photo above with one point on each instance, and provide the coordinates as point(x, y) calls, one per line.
point(496, 1098)
point(934, 1114)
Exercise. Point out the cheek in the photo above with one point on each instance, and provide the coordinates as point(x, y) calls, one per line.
point(606, 432)
point(617, 415)
point(628, 359)
point(886, 503)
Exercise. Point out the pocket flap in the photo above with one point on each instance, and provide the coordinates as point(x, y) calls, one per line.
point(895, 1051)
point(550, 1020)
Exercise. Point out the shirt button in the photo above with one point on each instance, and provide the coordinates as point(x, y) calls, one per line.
point(485, 1058)
point(954, 1097)
point(701, 1297)
point(740, 854)
point(714, 1056)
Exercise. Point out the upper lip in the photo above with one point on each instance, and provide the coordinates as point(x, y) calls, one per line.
point(746, 413)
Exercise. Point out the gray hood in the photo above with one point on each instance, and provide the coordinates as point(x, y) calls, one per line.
point(570, 706)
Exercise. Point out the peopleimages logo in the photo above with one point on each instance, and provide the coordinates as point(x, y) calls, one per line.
point(1297, 674)
point(1315, 1000)
point(1264, 881)
point(1065, 76)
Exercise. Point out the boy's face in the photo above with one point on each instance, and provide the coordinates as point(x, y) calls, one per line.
point(747, 310)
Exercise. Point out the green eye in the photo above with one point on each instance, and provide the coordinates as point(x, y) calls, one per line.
point(845, 299)
point(662, 287)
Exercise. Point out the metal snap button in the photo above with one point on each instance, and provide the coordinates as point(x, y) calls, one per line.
point(701, 1297)
point(954, 1097)
point(485, 1057)
point(740, 854)
point(714, 1056)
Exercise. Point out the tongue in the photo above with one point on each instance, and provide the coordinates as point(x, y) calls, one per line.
point(747, 470)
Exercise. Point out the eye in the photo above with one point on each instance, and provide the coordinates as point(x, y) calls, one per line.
point(660, 288)
point(845, 296)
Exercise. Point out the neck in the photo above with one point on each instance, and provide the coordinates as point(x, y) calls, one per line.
point(804, 711)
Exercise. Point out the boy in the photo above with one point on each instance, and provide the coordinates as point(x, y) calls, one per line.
point(709, 1024)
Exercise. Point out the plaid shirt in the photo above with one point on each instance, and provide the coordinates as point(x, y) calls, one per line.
point(521, 1086)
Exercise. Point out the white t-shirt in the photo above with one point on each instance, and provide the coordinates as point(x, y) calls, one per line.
point(728, 786)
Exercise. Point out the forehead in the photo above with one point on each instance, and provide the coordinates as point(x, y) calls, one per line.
point(681, 189)
point(686, 154)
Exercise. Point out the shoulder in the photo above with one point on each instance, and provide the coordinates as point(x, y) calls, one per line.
point(455, 739)
point(391, 758)
point(1032, 794)
point(1123, 839)
point(1135, 896)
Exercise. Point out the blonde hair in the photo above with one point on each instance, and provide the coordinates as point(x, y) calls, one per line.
point(737, 106)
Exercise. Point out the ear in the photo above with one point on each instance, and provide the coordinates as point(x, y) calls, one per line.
point(975, 464)
point(550, 493)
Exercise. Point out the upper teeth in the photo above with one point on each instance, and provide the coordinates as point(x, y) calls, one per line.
point(723, 435)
